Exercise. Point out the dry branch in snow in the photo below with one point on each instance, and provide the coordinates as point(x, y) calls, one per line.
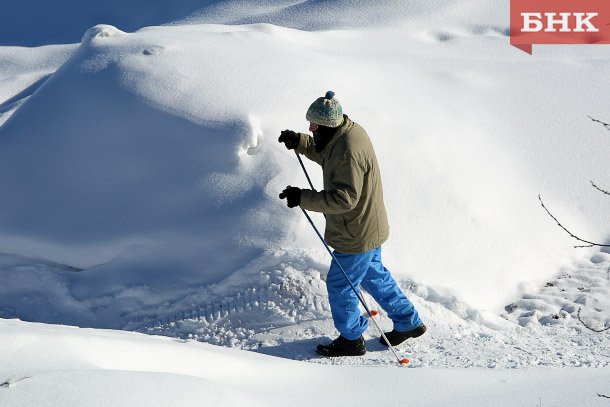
point(606, 125)
point(599, 189)
point(590, 244)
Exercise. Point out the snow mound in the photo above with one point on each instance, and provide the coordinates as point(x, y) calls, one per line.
point(101, 31)
point(121, 168)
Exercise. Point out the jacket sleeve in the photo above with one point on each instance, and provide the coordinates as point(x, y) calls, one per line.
point(347, 180)
point(308, 149)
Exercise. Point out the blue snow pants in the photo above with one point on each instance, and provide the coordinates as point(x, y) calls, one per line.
point(366, 270)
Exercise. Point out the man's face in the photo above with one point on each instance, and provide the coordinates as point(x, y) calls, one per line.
point(313, 128)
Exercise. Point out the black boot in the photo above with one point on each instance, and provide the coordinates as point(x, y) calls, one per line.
point(343, 347)
point(396, 338)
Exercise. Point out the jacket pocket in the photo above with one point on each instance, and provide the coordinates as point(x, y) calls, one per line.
point(336, 229)
point(349, 226)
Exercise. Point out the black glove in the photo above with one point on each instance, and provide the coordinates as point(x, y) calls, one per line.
point(292, 195)
point(290, 139)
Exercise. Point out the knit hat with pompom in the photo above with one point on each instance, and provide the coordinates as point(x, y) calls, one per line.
point(325, 111)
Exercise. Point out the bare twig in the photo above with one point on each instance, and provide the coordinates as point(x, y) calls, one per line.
point(590, 244)
point(587, 326)
point(599, 189)
point(606, 125)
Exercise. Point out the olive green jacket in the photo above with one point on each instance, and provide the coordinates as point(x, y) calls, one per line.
point(356, 219)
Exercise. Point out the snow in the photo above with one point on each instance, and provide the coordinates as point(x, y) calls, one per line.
point(50, 365)
point(160, 153)
point(140, 171)
point(23, 70)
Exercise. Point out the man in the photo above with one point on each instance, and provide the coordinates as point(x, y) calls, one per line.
point(356, 225)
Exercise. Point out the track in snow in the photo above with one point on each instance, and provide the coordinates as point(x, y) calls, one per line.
point(287, 315)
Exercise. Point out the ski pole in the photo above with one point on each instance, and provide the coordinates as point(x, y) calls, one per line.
point(373, 312)
point(306, 174)
point(400, 361)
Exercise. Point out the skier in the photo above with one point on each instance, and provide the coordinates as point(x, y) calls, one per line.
point(356, 225)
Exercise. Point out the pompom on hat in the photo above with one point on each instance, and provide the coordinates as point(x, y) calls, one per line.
point(325, 111)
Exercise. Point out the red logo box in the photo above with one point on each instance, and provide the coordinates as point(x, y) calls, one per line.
point(559, 22)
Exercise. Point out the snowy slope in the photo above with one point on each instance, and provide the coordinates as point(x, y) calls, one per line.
point(24, 70)
point(54, 365)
